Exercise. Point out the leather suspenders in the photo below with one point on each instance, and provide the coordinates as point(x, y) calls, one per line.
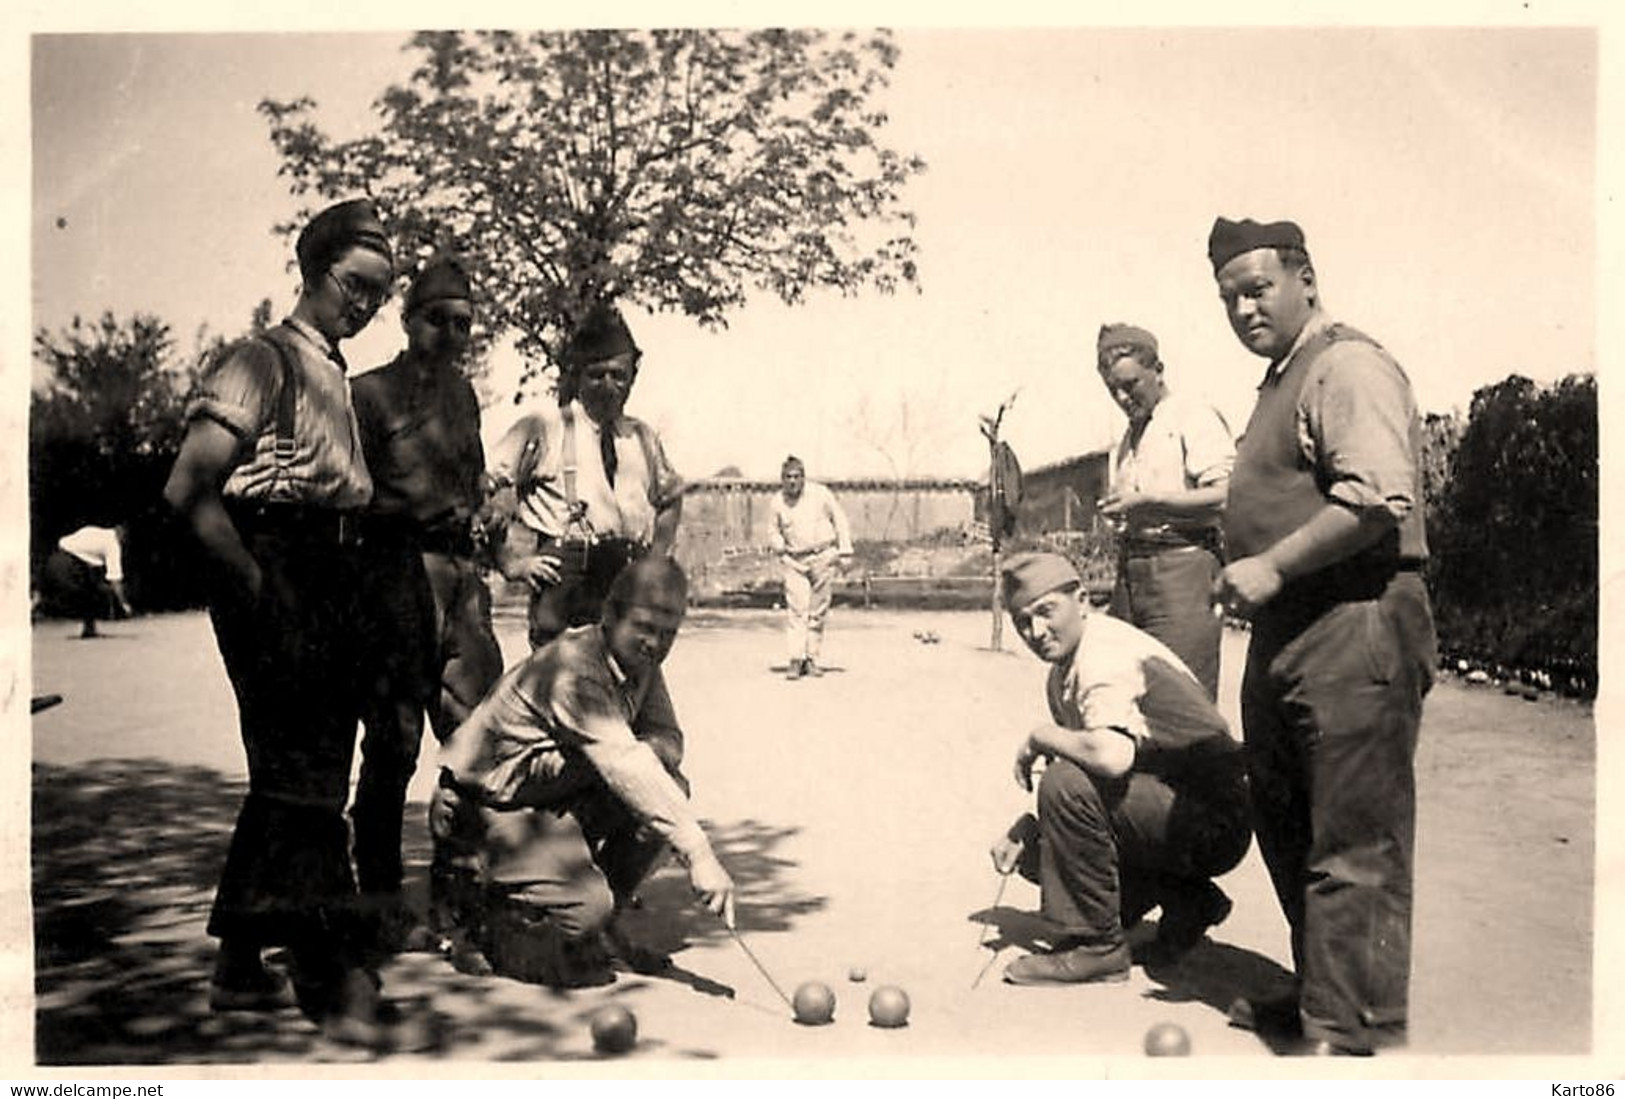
point(283, 449)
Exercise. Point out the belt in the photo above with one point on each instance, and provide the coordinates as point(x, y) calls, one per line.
point(808, 552)
point(1131, 547)
point(597, 545)
point(1350, 581)
point(451, 541)
point(455, 539)
point(297, 522)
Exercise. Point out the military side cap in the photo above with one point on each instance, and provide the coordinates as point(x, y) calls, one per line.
point(352, 224)
point(1031, 575)
point(602, 334)
point(440, 280)
point(1230, 239)
point(1116, 337)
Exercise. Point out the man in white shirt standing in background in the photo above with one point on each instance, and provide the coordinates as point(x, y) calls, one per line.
point(1170, 475)
point(809, 532)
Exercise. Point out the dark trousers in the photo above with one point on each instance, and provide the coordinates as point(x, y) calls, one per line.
point(1110, 850)
point(77, 588)
point(585, 574)
point(1331, 705)
point(1169, 595)
point(292, 658)
point(557, 871)
point(431, 651)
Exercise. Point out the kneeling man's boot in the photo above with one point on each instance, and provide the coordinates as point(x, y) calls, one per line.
point(1074, 965)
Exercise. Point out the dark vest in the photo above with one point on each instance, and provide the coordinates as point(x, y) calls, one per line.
point(1273, 487)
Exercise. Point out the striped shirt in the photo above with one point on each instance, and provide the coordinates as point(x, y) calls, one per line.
point(240, 391)
point(569, 704)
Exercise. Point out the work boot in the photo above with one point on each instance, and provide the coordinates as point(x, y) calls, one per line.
point(242, 982)
point(1185, 920)
point(621, 947)
point(464, 955)
point(1274, 1017)
point(1077, 965)
point(811, 667)
point(793, 671)
point(399, 930)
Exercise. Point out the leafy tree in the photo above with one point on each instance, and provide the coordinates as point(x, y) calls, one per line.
point(104, 429)
point(673, 169)
point(1515, 534)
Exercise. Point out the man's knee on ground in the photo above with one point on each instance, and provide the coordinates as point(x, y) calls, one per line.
point(552, 943)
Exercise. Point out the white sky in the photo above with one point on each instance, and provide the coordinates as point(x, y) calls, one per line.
point(1444, 178)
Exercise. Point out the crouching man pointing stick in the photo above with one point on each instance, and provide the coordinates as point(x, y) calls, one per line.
point(1143, 799)
point(565, 782)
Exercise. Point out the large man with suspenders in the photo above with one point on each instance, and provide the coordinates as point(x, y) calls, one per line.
point(584, 488)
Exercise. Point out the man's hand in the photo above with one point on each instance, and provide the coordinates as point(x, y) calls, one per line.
point(1246, 585)
point(539, 570)
point(1006, 852)
point(1135, 507)
point(445, 805)
point(713, 887)
point(1025, 758)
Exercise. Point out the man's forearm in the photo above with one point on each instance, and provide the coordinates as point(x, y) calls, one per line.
point(1193, 504)
point(1105, 752)
point(222, 543)
point(1329, 536)
point(664, 538)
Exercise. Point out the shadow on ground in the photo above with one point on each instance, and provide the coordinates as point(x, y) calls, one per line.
point(125, 856)
point(1214, 973)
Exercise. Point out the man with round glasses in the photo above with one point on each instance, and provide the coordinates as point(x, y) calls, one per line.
point(271, 479)
point(428, 608)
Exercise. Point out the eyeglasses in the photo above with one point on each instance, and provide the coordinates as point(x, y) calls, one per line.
point(358, 291)
point(441, 318)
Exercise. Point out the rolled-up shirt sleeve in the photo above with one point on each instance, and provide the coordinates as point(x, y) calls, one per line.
point(239, 390)
point(586, 708)
point(1354, 428)
point(1100, 692)
point(665, 483)
point(1210, 449)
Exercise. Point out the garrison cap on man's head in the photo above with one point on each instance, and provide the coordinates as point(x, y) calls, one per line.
point(1230, 239)
point(1032, 575)
point(352, 224)
point(440, 280)
point(1115, 337)
point(602, 334)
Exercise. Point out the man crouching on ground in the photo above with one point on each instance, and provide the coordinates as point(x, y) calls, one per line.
point(1143, 798)
point(565, 778)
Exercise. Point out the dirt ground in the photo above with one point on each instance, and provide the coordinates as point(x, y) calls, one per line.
point(855, 812)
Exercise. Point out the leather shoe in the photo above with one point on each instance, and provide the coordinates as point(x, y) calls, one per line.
point(1185, 922)
point(1273, 1017)
point(1327, 1048)
point(1079, 965)
point(265, 993)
